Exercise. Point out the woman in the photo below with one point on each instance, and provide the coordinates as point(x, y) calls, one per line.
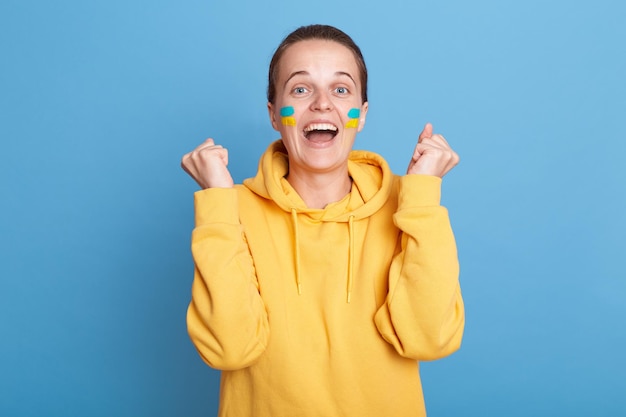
point(322, 281)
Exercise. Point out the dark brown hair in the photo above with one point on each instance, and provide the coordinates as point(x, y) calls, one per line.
point(322, 32)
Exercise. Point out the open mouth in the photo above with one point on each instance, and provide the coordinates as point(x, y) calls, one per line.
point(320, 132)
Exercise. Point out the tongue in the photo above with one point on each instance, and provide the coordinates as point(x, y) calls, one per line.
point(320, 136)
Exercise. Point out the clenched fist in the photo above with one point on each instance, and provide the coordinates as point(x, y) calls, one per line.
point(207, 165)
point(432, 155)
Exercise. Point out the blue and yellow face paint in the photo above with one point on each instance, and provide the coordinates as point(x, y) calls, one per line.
point(353, 114)
point(286, 116)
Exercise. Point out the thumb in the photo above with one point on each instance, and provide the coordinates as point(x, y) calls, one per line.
point(426, 132)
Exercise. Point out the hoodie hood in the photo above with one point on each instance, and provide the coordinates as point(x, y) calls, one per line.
point(371, 177)
point(372, 182)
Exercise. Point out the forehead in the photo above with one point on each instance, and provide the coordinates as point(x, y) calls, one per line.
point(319, 56)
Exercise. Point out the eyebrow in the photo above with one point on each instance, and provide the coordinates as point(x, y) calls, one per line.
point(338, 73)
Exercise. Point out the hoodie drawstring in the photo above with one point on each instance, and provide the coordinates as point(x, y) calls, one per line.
point(294, 218)
point(350, 257)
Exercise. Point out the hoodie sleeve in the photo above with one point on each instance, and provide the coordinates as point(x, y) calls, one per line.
point(423, 316)
point(226, 318)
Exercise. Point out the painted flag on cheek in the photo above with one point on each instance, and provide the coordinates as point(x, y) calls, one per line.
point(353, 114)
point(286, 116)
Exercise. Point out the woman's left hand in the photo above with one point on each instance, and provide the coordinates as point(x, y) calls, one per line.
point(432, 155)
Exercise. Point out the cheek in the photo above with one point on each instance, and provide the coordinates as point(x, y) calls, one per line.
point(287, 116)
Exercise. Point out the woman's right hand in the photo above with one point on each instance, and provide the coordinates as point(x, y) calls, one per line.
point(207, 165)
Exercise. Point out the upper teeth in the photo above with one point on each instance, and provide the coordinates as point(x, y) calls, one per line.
point(320, 126)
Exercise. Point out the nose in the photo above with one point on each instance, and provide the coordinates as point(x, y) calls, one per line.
point(321, 102)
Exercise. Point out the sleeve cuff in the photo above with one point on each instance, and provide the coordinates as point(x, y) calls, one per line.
point(216, 205)
point(419, 191)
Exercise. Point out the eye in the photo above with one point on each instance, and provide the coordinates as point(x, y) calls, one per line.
point(300, 90)
point(341, 90)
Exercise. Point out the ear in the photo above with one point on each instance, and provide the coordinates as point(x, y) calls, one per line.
point(363, 116)
point(272, 114)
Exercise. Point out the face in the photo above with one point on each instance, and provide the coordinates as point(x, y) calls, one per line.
point(318, 108)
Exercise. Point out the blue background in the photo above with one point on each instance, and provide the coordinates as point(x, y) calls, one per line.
point(100, 99)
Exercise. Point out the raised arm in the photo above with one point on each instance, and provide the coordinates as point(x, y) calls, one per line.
point(226, 318)
point(423, 316)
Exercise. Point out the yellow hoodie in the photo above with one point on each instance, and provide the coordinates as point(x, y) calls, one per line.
point(324, 312)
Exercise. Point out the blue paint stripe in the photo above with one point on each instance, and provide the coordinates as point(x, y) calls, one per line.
point(287, 111)
point(354, 113)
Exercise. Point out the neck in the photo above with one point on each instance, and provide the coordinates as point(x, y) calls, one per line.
point(320, 190)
